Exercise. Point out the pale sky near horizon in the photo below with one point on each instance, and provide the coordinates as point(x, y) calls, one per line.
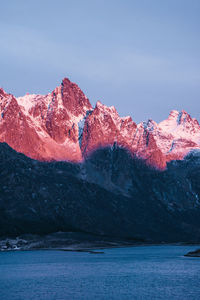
point(141, 56)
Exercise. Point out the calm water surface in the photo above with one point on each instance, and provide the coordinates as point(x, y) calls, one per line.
point(147, 272)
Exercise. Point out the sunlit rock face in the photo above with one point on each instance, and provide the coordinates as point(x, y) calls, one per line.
point(178, 135)
point(45, 127)
point(16, 129)
point(62, 125)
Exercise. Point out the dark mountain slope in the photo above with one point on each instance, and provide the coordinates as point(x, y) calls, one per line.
point(110, 194)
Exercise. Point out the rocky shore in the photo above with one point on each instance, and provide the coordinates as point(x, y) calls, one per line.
point(65, 241)
point(195, 253)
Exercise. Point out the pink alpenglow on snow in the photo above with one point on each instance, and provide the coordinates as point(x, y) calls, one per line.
point(63, 126)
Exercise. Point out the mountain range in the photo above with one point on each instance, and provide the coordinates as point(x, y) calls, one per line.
point(66, 166)
point(63, 125)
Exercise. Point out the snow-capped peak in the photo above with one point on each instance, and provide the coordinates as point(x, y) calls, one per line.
point(28, 101)
point(104, 108)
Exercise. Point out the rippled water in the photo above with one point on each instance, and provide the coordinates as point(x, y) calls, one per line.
point(146, 272)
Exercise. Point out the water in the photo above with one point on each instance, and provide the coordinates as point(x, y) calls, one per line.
point(147, 272)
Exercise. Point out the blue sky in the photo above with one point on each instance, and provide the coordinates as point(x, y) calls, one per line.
point(141, 56)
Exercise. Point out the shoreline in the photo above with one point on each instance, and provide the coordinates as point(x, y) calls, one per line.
point(94, 249)
point(76, 242)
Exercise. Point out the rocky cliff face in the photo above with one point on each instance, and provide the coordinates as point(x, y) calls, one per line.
point(49, 123)
point(63, 126)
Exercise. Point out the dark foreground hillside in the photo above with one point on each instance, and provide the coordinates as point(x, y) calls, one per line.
point(111, 194)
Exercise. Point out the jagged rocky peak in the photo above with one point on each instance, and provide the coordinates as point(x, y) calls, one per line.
point(127, 126)
point(177, 118)
point(5, 98)
point(73, 97)
point(66, 96)
point(2, 93)
point(173, 114)
point(180, 116)
point(109, 109)
point(109, 114)
point(15, 129)
point(172, 120)
point(8, 103)
point(101, 128)
point(181, 125)
point(149, 125)
point(183, 117)
point(127, 119)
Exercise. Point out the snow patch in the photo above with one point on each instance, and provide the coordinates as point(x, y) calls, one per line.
point(28, 101)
